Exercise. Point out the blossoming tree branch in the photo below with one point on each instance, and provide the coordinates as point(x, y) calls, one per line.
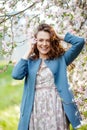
point(19, 18)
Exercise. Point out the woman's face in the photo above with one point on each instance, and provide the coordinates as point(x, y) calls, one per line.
point(43, 43)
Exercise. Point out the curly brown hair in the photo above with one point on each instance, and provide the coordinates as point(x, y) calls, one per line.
point(56, 49)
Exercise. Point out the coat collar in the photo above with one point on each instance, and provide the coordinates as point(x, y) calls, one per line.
point(51, 64)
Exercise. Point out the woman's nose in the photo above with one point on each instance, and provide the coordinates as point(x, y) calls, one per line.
point(44, 42)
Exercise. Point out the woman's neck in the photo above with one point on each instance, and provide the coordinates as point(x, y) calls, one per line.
point(43, 57)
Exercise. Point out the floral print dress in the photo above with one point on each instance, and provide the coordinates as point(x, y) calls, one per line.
point(48, 113)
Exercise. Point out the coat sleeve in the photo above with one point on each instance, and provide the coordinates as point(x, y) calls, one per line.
point(20, 70)
point(77, 45)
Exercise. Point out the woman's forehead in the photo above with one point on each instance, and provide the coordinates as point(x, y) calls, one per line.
point(43, 34)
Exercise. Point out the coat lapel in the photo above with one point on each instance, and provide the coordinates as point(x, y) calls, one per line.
point(52, 65)
point(34, 67)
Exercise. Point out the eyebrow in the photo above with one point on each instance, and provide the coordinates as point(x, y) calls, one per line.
point(43, 39)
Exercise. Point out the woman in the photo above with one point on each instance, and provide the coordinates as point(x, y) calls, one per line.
point(48, 103)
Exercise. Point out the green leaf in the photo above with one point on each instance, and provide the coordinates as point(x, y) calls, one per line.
point(1, 35)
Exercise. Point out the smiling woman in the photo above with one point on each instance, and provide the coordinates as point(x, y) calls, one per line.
point(43, 44)
point(48, 103)
point(48, 42)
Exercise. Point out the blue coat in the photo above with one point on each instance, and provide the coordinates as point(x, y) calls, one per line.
point(28, 69)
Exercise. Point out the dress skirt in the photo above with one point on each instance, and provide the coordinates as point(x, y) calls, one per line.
point(47, 113)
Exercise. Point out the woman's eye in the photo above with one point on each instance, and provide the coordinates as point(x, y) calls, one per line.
point(41, 40)
point(48, 40)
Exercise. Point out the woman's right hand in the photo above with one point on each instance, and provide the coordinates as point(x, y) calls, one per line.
point(61, 37)
point(31, 43)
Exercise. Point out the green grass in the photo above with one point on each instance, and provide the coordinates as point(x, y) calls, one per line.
point(10, 98)
point(10, 89)
point(9, 118)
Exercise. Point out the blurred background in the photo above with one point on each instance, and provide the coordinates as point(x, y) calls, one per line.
point(18, 21)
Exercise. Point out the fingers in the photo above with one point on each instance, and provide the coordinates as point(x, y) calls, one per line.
point(32, 46)
point(33, 40)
